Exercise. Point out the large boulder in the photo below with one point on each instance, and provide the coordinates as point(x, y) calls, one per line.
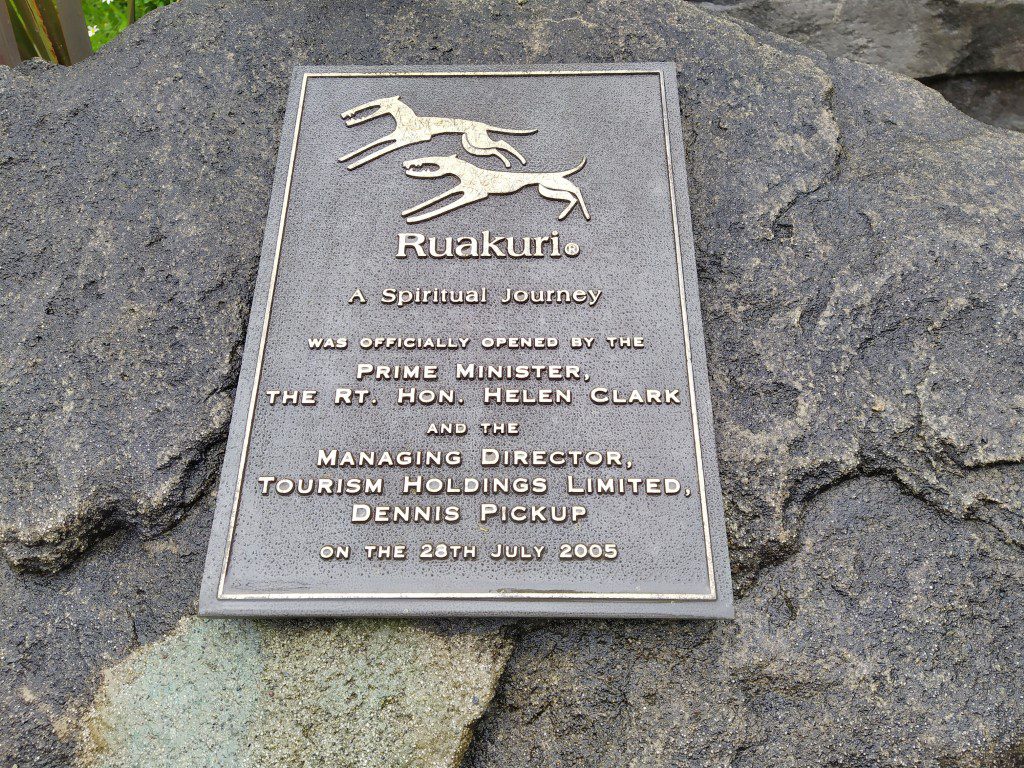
point(859, 247)
point(971, 51)
point(920, 38)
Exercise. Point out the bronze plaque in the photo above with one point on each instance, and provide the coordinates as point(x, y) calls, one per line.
point(474, 381)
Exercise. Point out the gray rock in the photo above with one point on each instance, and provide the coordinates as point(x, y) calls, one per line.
point(919, 38)
point(855, 651)
point(252, 694)
point(859, 248)
point(996, 99)
point(971, 52)
point(59, 632)
point(124, 315)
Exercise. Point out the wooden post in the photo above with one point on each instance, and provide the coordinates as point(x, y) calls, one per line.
point(9, 53)
point(76, 35)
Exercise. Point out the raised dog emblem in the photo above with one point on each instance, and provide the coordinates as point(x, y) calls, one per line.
point(477, 184)
point(410, 128)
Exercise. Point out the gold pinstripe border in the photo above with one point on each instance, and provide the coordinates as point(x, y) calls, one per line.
point(497, 595)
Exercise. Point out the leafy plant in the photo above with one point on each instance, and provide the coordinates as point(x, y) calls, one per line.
point(106, 18)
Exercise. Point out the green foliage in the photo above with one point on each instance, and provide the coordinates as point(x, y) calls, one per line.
point(106, 18)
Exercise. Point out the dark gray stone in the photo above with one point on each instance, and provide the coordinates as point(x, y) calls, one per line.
point(972, 52)
point(920, 38)
point(996, 99)
point(60, 631)
point(858, 244)
point(853, 652)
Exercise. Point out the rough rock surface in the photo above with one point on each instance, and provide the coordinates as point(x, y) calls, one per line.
point(58, 632)
point(973, 49)
point(855, 651)
point(920, 38)
point(860, 254)
point(253, 694)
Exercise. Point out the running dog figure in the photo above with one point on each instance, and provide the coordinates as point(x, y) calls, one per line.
point(410, 128)
point(478, 183)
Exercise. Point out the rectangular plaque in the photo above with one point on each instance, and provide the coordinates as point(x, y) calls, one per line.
point(474, 381)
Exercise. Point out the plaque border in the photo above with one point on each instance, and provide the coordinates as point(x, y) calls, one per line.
point(499, 595)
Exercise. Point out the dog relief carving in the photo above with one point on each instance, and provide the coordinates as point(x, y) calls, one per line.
point(474, 183)
point(410, 128)
point(477, 184)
